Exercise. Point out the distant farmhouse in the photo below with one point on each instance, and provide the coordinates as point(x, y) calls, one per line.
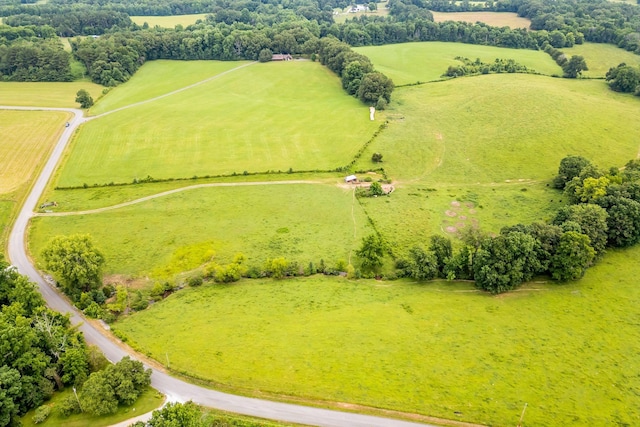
point(281, 57)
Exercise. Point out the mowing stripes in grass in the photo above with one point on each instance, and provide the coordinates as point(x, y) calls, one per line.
point(27, 136)
point(150, 81)
point(31, 94)
point(272, 116)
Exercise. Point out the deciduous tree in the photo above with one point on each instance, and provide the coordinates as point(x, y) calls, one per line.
point(75, 263)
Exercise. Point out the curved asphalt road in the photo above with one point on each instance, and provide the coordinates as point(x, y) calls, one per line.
point(175, 389)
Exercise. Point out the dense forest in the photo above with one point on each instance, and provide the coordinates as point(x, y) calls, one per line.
point(40, 352)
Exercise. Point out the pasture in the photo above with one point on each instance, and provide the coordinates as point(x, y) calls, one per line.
point(600, 57)
point(39, 94)
point(490, 129)
point(409, 63)
point(414, 347)
point(495, 19)
point(169, 21)
point(150, 81)
point(272, 116)
point(182, 231)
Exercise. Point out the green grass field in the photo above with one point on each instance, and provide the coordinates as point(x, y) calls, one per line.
point(490, 129)
point(600, 57)
point(408, 63)
point(305, 222)
point(168, 21)
point(271, 116)
point(477, 150)
point(495, 19)
point(150, 82)
point(147, 402)
point(46, 94)
point(415, 347)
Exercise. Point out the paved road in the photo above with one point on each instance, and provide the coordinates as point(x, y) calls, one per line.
point(175, 389)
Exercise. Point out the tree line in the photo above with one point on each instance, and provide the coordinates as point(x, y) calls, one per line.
point(41, 352)
point(603, 212)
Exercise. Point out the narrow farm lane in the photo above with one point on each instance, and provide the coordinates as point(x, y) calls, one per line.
point(177, 190)
point(174, 388)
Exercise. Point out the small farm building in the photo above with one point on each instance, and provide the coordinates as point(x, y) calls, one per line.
point(281, 57)
point(351, 178)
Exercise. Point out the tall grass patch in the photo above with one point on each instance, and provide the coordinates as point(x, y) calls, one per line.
point(437, 348)
point(490, 129)
point(39, 94)
point(408, 63)
point(302, 223)
point(273, 116)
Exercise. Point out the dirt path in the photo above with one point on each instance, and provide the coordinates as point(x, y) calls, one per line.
point(207, 80)
point(177, 190)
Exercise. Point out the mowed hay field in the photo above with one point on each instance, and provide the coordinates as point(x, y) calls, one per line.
point(600, 57)
point(494, 128)
point(150, 81)
point(568, 351)
point(27, 136)
point(408, 63)
point(30, 94)
point(272, 116)
point(301, 222)
point(495, 19)
point(169, 21)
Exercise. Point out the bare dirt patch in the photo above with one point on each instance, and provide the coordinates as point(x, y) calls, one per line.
point(451, 229)
point(450, 213)
point(455, 204)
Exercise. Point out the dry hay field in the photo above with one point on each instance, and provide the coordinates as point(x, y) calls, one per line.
point(495, 19)
point(169, 21)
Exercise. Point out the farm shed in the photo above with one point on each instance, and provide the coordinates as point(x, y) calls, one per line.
point(281, 57)
point(351, 178)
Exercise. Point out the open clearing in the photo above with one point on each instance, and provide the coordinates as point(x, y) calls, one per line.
point(169, 21)
point(46, 94)
point(364, 342)
point(495, 19)
point(300, 222)
point(254, 119)
point(494, 128)
point(478, 150)
point(342, 15)
point(27, 136)
point(150, 81)
point(600, 57)
point(408, 63)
